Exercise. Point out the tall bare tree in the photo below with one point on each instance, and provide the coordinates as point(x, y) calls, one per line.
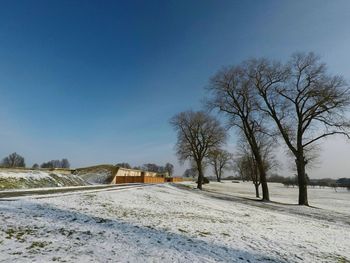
point(232, 94)
point(198, 134)
point(306, 103)
point(220, 160)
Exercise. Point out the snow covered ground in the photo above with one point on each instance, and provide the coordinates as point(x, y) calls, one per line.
point(164, 223)
point(337, 200)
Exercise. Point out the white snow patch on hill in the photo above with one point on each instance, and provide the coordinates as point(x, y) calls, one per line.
point(25, 175)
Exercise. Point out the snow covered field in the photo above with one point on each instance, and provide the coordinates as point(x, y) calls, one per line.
point(327, 198)
point(164, 223)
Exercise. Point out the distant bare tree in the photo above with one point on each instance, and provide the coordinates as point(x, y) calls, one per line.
point(305, 102)
point(124, 165)
point(220, 160)
point(13, 160)
point(65, 163)
point(152, 167)
point(249, 170)
point(232, 95)
point(56, 163)
point(169, 168)
point(198, 134)
point(246, 163)
point(48, 164)
point(190, 172)
point(240, 168)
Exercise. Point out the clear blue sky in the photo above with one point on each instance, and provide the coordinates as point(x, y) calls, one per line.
point(97, 81)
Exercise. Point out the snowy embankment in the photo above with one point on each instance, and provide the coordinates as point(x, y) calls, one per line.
point(162, 223)
point(99, 174)
point(22, 179)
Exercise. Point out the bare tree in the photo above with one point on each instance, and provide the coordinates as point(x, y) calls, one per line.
point(232, 94)
point(152, 167)
point(190, 172)
point(13, 160)
point(56, 163)
point(248, 169)
point(239, 168)
point(65, 163)
point(306, 103)
point(169, 168)
point(198, 134)
point(124, 165)
point(219, 159)
point(246, 163)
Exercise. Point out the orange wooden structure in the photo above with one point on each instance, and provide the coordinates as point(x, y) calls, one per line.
point(139, 179)
point(173, 179)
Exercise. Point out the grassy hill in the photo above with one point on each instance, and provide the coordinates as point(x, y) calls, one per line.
point(22, 178)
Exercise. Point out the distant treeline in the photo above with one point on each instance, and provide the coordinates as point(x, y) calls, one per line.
point(293, 181)
point(151, 167)
point(16, 160)
point(64, 163)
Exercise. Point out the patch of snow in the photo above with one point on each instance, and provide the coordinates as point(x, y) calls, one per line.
point(25, 175)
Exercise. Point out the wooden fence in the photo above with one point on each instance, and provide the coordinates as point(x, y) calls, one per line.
point(138, 179)
point(173, 179)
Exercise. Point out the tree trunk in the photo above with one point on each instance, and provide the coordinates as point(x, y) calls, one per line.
point(265, 189)
point(217, 173)
point(300, 163)
point(200, 175)
point(257, 190)
point(259, 161)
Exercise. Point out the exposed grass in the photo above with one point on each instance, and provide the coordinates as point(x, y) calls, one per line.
point(52, 180)
point(19, 233)
point(10, 183)
point(204, 233)
point(182, 230)
point(38, 245)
